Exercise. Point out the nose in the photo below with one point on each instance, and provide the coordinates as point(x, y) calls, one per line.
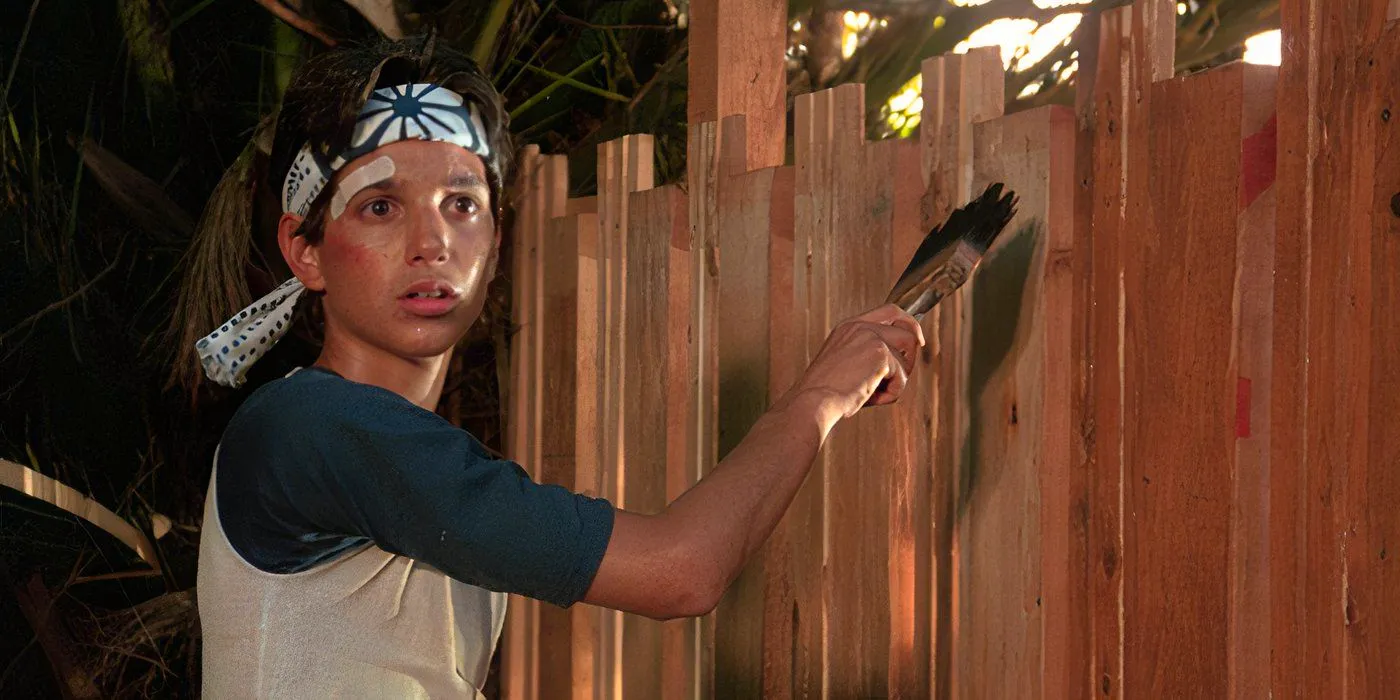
point(429, 241)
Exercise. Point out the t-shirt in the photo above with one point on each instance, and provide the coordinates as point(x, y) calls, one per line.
point(314, 465)
point(355, 544)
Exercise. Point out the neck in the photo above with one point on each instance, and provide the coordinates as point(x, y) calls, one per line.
point(417, 379)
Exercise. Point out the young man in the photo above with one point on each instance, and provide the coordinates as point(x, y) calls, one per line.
point(355, 543)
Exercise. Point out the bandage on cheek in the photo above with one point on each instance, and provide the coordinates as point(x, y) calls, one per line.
point(381, 168)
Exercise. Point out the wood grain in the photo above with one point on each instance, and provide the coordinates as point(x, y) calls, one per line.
point(542, 182)
point(956, 96)
point(559, 282)
point(653, 217)
point(586, 620)
point(1178, 413)
point(1248, 637)
point(859, 450)
point(749, 208)
point(736, 67)
point(1322, 338)
point(806, 518)
point(624, 166)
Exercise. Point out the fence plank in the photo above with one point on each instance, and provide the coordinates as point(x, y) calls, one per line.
point(586, 620)
point(652, 219)
point(1288, 550)
point(777, 585)
point(624, 166)
point(911, 420)
point(1178, 417)
point(1063, 556)
point(1325, 328)
point(1371, 572)
point(1248, 637)
point(543, 182)
point(998, 506)
point(705, 166)
point(559, 282)
point(805, 519)
point(680, 638)
point(856, 575)
point(749, 207)
point(955, 97)
point(736, 68)
point(1135, 49)
point(1080, 678)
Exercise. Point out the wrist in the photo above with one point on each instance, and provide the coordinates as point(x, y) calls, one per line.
point(820, 408)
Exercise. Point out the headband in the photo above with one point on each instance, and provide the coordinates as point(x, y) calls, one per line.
point(419, 111)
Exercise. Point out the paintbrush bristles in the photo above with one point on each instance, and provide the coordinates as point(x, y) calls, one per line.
point(979, 222)
point(949, 253)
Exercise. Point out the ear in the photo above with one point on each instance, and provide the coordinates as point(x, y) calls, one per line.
point(301, 256)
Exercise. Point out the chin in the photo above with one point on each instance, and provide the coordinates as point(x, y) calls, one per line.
point(426, 343)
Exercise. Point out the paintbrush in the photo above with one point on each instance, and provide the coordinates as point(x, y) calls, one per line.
point(950, 252)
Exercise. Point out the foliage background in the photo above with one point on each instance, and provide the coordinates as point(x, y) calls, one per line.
point(117, 119)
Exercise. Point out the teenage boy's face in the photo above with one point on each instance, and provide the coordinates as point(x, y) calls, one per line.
point(410, 247)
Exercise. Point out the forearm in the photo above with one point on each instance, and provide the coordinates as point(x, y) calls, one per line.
point(730, 512)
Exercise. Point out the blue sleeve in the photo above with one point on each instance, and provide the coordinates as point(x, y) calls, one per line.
point(318, 465)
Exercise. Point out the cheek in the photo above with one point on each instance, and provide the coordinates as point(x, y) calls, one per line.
point(355, 264)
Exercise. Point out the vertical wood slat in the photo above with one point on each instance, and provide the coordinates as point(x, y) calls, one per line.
point(1065, 660)
point(703, 173)
point(1330, 597)
point(586, 621)
point(561, 658)
point(1248, 638)
point(998, 508)
point(856, 574)
point(1080, 678)
point(654, 218)
point(777, 629)
point(543, 182)
point(624, 166)
point(680, 638)
point(736, 68)
point(956, 95)
point(805, 521)
point(911, 421)
point(1179, 417)
point(1289, 551)
point(748, 206)
point(1372, 576)
point(1135, 50)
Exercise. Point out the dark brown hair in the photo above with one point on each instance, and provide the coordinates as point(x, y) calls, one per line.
point(320, 107)
point(324, 98)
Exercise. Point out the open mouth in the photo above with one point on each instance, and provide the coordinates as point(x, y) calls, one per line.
point(430, 298)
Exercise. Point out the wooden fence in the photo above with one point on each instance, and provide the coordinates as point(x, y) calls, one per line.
point(1151, 449)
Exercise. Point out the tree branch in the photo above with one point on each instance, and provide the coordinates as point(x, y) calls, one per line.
point(64, 301)
point(302, 24)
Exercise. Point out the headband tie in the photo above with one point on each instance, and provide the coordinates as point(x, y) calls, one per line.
point(421, 111)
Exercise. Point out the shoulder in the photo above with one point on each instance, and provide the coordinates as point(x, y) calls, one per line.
point(311, 404)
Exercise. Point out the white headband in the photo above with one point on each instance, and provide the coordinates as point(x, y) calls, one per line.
point(415, 111)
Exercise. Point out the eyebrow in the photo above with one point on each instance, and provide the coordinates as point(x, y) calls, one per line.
point(468, 180)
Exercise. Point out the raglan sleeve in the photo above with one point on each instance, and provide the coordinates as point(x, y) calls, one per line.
point(421, 487)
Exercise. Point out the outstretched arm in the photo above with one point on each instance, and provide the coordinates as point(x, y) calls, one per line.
point(679, 563)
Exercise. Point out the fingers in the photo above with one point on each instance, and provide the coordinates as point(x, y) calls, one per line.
point(903, 344)
point(892, 315)
point(892, 386)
